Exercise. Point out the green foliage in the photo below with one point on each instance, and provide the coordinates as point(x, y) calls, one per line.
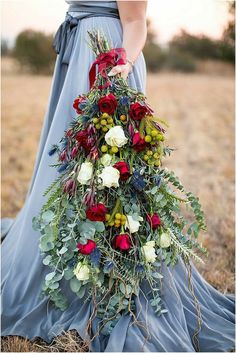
point(155, 57)
point(34, 50)
point(4, 47)
point(178, 60)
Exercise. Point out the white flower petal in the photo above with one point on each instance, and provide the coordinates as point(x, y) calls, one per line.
point(85, 173)
point(116, 137)
point(110, 177)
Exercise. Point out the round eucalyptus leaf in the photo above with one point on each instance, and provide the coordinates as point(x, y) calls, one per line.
point(47, 216)
point(50, 276)
point(75, 284)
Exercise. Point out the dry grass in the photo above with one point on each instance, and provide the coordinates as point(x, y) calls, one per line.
point(68, 342)
point(200, 110)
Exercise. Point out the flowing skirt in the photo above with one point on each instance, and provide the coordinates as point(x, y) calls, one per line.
point(26, 313)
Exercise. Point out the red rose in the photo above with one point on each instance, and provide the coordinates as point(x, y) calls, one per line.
point(77, 102)
point(122, 242)
point(97, 212)
point(87, 248)
point(123, 168)
point(154, 220)
point(137, 111)
point(139, 144)
point(107, 104)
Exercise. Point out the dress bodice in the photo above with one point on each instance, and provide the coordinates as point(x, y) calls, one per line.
point(105, 3)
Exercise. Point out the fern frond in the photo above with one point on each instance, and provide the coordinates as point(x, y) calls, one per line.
point(51, 187)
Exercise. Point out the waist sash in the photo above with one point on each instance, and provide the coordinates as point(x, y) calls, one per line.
point(64, 38)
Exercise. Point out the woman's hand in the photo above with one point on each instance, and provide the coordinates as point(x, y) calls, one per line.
point(122, 70)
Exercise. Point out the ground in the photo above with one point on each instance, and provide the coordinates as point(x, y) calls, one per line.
point(200, 111)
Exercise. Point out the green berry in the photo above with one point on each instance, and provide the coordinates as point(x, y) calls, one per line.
point(154, 133)
point(95, 120)
point(114, 149)
point(103, 122)
point(148, 138)
point(156, 156)
point(104, 148)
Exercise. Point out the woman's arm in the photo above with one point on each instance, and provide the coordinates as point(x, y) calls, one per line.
point(133, 20)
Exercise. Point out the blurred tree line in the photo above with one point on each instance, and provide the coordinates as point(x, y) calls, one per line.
point(33, 49)
point(184, 49)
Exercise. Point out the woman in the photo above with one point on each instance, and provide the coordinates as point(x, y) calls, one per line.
point(25, 313)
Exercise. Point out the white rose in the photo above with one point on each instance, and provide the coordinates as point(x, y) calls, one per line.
point(85, 173)
point(110, 177)
point(165, 240)
point(81, 271)
point(149, 251)
point(132, 224)
point(106, 159)
point(116, 137)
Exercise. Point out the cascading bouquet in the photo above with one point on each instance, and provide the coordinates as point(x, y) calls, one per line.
point(113, 215)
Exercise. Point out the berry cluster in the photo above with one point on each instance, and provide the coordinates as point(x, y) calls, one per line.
point(104, 122)
point(120, 220)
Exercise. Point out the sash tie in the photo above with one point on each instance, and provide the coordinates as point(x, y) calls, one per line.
point(63, 41)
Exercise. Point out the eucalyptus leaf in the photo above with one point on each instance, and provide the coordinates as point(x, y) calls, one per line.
point(68, 274)
point(63, 250)
point(154, 190)
point(47, 259)
point(53, 285)
point(45, 244)
point(81, 292)
point(48, 216)
point(50, 276)
point(100, 227)
point(75, 284)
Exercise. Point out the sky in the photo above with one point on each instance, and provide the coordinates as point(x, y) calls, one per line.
point(168, 16)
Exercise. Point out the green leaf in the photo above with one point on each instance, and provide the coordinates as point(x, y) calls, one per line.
point(87, 229)
point(63, 250)
point(36, 224)
point(53, 285)
point(47, 259)
point(100, 227)
point(48, 216)
point(81, 292)
point(67, 238)
point(122, 288)
point(159, 197)
point(50, 276)
point(154, 190)
point(135, 208)
point(68, 274)
point(75, 284)
point(45, 244)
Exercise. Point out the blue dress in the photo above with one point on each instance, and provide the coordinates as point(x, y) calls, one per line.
point(25, 313)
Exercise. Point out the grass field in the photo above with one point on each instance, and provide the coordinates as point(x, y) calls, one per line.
point(200, 111)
